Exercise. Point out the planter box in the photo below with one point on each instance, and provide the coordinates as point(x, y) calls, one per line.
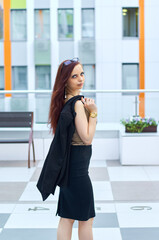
point(139, 148)
point(146, 129)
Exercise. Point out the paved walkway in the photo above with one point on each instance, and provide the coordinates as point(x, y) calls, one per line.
point(126, 202)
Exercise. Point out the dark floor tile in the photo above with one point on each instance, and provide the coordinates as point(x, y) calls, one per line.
point(11, 191)
point(18, 163)
point(140, 233)
point(113, 163)
point(3, 219)
point(28, 234)
point(135, 191)
point(36, 175)
point(98, 174)
point(105, 220)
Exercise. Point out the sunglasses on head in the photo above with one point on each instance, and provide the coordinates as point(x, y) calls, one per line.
point(70, 61)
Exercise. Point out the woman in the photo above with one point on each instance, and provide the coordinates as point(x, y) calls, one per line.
point(76, 201)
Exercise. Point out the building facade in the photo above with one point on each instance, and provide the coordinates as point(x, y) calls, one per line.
point(116, 41)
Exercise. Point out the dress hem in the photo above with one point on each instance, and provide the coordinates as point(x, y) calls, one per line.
point(78, 219)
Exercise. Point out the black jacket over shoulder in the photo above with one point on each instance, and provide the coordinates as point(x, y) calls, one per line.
point(56, 165)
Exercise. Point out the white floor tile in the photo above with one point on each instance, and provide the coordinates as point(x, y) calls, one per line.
point(7, 208)
point(102, 190)
point(35, 208)
point(137, 218)
point(32, 221)
point(106, 233)
point(126, 207)
point(129, 173)
point(104, 207)
point(152, 172)
point(100, 233)
point(97, 163)
point(74, 234)
point(31, 193)
point(15, 174)
point(41, 163)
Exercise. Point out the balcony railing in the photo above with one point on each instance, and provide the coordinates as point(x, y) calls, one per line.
point(112, 104)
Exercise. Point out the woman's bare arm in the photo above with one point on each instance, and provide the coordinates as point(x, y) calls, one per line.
point(85, 129)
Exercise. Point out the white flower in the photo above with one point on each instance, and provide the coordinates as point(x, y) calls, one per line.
point(137, 118)
point(131, 118)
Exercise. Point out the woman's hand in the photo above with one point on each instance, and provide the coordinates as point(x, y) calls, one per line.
point(89, 104)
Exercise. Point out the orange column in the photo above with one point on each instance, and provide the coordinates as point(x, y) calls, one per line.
point(141, 59)
point(7, 47)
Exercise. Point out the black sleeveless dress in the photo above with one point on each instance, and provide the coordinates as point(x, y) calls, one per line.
point(76, 201)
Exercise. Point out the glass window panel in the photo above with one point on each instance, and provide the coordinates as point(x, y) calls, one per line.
point(1, 23)
point(65, 24)
point(88, 23)
point(19, 78)
point(130, 76)
point(130, 22)
point(1, 78)
point(43, 77)
point(18, 25)
point(89, 73)
point(42, 24)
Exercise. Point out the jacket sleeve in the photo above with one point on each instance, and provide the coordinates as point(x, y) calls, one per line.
point(65, 137)
point(65, 122)
point(54, 160)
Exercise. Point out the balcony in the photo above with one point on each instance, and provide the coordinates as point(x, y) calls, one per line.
point(126, 197)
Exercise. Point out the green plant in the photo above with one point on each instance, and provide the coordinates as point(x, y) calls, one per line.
point(137, 124)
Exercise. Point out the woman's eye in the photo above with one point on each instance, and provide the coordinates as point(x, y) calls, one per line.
point(75, 75)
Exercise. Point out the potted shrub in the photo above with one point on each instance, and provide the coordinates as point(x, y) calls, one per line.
point(138, 124)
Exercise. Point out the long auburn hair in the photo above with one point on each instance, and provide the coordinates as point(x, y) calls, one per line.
point(58, 93)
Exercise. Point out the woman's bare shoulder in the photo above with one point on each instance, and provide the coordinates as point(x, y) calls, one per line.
point(79, 105)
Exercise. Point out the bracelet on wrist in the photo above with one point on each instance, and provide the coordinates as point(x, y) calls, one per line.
point(93, 114)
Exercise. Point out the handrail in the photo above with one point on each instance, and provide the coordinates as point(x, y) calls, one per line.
point(83, 91)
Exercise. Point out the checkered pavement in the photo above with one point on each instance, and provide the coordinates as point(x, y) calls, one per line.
point(126, 202)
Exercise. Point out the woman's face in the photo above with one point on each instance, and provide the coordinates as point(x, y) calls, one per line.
point(76, 79)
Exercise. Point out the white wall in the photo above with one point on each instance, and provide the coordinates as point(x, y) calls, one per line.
point(111, 51)
point(152, 56)
point(102, 149)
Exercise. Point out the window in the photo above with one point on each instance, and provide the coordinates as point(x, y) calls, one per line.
point(42, 37)
point(19, 78)
point(1, 23)
point(42, 82)
point(42, 24)
point(65, 24)
point(43, 77)
point(1, 78)
point(89, 73)
point(130, 22)
point(130, 76)
point(18, 25)
point(87, 23)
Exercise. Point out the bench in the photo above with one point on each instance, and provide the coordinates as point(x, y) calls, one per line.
point(19, 120)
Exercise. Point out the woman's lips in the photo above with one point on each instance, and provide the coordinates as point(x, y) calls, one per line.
point(80, 84)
